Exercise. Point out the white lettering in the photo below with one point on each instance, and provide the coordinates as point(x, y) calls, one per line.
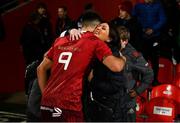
point(57, 113)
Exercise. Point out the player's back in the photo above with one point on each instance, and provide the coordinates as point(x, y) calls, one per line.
point(71, 60)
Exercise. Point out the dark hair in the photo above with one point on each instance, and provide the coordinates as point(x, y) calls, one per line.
point(114, 35)
point(123, 32)
point(89, 17)
point(126, 6)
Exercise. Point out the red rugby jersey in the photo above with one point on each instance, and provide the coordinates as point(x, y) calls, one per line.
point(71, 60)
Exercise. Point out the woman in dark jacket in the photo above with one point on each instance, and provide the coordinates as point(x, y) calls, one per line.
point(107, 87)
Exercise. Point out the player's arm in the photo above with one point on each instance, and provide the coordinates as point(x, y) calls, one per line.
point(115, 64)
point(42, 72)
point(75, 34)
point(104, 54)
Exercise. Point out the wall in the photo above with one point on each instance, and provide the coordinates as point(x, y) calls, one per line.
point(12, 62)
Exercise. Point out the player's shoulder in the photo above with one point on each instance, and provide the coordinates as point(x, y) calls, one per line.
point(61, 40)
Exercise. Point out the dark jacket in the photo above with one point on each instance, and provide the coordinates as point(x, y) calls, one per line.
point(106, 82)
point(150, 16)
point(136, 66)
point(107, 90)
point(31, 41)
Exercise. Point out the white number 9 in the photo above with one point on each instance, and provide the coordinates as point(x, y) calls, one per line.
point(66, 61)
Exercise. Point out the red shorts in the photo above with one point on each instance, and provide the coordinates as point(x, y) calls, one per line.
point(49, 114)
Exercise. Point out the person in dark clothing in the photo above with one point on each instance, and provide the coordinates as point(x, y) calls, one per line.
point(169, 45)
point(33, 93)
point(151, 16)
point(136, 69)
point(31, 40)
point(126, 19)
point(112, 105)
point(107, 87)
point(63, 21)
point(45, 26)
point(32, 43)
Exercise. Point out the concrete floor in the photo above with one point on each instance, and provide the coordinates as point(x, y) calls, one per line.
point(13, 107)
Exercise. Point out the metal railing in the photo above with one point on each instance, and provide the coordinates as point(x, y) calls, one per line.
point(10, 5)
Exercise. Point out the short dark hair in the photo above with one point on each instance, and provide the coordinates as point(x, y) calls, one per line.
point(88, 18)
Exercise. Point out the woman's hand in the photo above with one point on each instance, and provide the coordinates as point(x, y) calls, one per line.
point(75, 34)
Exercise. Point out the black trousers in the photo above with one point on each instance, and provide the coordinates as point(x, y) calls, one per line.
point(105, 109)
point(151, 52)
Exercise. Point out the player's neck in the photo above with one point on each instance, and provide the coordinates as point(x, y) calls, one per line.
point(85, 29)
